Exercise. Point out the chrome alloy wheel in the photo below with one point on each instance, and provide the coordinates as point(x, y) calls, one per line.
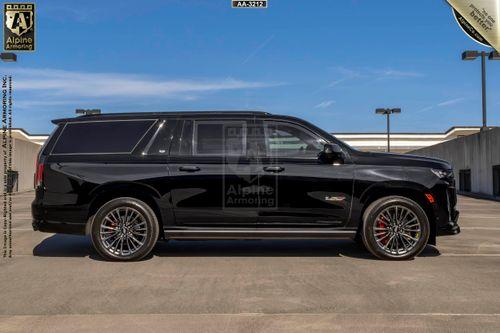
point(397, 230)
point(123, 231)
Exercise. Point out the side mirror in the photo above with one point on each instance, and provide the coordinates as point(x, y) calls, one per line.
point(334, 148)
point(331, 153)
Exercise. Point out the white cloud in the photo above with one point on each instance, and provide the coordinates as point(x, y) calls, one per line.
point(325, 104)
point(346, 74)
point(427, 108)
point(451, 102)
point(72, 84)
point(30, 103)
point(443, 104)
point(257, 49)
point(391, 73)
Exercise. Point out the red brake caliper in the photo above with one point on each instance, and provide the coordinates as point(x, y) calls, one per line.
point(382, 234)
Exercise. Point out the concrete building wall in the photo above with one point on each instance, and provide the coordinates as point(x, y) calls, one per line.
point(478, 152)
point(24, 154)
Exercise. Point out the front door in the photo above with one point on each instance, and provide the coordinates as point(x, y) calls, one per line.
point(302, 191)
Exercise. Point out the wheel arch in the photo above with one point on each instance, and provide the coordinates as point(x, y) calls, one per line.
point(410, 190)
point(109, 191)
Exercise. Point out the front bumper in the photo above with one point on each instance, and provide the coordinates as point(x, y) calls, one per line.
point(452, 227)
point(445, 210)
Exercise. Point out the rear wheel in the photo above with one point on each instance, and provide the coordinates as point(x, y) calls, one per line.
point(124, 229)
point(395, 228)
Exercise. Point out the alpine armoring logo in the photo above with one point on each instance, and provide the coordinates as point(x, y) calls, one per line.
point(244, 185)
point(19, 27)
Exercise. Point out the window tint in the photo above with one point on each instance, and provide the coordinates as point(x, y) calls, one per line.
point(209, 139)
point(220, 138)
point(182, 144)
point(287, 140)
point(160, 143)
point(47, 146)
point(101, 137)
point(256, 146)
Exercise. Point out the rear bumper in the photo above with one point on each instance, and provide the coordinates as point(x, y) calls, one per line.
point(58, 227)
point(54, 219)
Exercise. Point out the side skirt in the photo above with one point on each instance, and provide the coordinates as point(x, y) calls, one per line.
point(199, 233)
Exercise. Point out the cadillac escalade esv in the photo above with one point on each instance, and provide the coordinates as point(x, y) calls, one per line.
point(131, 179)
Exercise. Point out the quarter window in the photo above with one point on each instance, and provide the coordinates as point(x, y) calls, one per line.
point(100, 137)
point(287, 140)
point(160, 143)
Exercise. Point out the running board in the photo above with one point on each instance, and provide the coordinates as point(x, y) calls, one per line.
point(258, 234)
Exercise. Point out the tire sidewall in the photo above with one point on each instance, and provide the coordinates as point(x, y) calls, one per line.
point(151, 223)
point(376, 208)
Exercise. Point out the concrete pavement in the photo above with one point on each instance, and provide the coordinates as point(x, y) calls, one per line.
point(58, 283)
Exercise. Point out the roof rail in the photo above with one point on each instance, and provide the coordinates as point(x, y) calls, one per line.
point(159, 114)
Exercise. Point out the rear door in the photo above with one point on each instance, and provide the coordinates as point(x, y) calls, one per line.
point(211, 174)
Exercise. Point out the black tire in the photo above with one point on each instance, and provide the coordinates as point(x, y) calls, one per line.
point(358, 239)
point(374, 239)
point(144, 230)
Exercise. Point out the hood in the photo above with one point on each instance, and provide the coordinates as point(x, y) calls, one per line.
point(400, 160)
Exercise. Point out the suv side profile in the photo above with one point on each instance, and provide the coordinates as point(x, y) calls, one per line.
point(131, 179)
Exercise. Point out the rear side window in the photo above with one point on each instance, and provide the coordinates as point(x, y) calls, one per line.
point(220, 138)
point(101, 137)
point(210, 138)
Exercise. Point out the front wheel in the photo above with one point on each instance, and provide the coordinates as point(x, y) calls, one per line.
point(124, 229)
point(395, 228)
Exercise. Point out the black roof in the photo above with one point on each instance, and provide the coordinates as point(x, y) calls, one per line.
point(132, 115)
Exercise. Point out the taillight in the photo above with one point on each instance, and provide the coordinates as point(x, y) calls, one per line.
point(39, 174)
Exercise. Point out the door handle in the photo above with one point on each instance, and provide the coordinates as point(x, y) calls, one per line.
point(189, 168)
point(274, 169)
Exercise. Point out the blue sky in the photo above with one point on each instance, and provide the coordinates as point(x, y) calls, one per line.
point(330, 62)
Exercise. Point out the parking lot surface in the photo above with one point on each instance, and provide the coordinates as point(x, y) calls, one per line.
point(57, 283)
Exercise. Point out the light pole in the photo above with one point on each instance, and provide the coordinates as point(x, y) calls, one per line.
point(472, 55)
point(8, 57)
point(388, 113)
point(88, 112)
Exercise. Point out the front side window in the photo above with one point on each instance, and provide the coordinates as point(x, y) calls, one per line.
point(289, 140)
point(101, 137)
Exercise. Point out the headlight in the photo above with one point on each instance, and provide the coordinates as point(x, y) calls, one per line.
point(442, 174)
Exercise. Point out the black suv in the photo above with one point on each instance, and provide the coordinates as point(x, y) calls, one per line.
point(128, 180)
